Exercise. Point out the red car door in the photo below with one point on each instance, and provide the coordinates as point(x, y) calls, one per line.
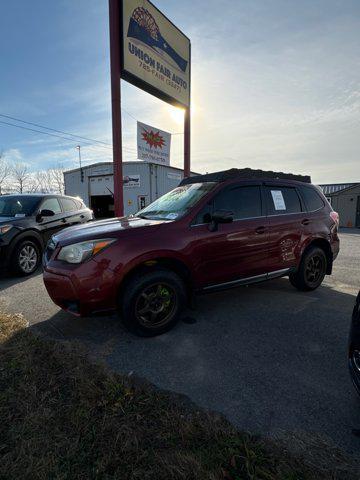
point(236, 250)
point(287, 224)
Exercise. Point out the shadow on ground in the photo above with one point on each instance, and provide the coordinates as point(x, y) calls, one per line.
point(270, 358)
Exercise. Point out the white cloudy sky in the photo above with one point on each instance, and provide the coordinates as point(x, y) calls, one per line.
point(276, 84)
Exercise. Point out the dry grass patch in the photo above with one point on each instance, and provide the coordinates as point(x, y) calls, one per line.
point(62, 417)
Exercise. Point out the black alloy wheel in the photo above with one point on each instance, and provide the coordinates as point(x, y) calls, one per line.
point(152, 301)
point(311, 271)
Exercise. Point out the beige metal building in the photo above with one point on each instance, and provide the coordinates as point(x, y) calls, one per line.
point(345, 199)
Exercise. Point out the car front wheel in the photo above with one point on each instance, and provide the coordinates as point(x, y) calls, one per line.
point(312, 270)
point(26, 258)
point(152, 302)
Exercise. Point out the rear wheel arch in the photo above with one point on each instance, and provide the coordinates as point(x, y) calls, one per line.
point(325, 246)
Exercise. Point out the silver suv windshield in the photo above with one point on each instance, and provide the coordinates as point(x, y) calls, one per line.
point(177, 203)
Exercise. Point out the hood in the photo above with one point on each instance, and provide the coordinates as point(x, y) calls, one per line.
point(110, 228)
point(12, 220)
point(6, 219)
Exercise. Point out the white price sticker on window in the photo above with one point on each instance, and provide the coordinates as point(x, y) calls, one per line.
point(278, 200)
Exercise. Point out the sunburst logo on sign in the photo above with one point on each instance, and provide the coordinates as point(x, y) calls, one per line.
point(154, 139)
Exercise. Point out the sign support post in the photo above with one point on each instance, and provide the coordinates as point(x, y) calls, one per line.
point(187, 139)
point(115, 65)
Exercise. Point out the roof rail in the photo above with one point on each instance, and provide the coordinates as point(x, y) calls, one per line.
point(244, 173)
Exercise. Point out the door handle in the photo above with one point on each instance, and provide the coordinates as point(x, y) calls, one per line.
point(306, 221)
point(260, 230)
point(64, 220)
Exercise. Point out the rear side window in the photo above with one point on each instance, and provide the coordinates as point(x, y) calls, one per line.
point(312, 199)
point(51, 204)
point(283, 200)
point(245, 202)
point(69, 205)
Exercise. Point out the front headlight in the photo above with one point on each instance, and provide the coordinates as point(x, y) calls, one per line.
point(5, 228)
point(80, 252)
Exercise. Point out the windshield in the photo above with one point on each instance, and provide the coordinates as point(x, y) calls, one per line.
point(20, 206)
point(176, 203)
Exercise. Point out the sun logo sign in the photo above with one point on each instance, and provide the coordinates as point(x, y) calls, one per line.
point(153, 139)
point(153, 144)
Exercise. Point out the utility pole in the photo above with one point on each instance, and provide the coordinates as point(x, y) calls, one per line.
point(81, 170)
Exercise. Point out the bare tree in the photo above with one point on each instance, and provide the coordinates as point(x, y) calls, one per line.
point(43, 181)
point(5, 171)
point(57, 179)
point(21, 176)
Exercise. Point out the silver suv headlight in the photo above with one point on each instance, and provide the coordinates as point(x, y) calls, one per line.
point(80, 252)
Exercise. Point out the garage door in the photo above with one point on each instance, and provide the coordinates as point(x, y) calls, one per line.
point(103, 185)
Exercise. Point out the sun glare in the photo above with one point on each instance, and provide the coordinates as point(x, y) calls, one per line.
point(177, 114)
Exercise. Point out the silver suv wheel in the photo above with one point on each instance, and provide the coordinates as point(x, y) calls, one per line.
point(28, 259)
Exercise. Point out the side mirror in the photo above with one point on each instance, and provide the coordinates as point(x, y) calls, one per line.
point(46, 213)
point(220, 216)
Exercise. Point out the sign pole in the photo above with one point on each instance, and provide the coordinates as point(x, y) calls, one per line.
point(187, 127)
point(187, 139)
point(115, 66)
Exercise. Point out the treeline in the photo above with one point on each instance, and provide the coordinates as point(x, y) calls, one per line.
point(17, 178)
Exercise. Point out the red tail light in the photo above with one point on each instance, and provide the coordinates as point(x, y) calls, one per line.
point(335, 217)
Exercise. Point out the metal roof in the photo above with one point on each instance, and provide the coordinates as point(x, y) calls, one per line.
point(337, 187)
point(99, 164)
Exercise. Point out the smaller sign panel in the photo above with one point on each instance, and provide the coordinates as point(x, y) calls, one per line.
point(153, 145)
point(131, 181)
point(278, 199)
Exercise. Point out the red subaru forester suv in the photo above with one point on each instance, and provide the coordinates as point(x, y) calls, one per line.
point(213, 232)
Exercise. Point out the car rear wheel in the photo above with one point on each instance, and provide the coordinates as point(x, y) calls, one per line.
point(26, 258)
point(152, 302)
point(312, 270)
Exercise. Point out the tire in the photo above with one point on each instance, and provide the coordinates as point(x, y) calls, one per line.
point(152, 302)
point(26, 258)
point(312, 270)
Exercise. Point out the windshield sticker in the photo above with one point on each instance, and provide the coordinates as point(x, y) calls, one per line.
point(172, 216)
point(20, 215)
point(278, 200)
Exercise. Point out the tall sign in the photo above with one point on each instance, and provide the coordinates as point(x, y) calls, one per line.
point(154, 55)
point(153, 145)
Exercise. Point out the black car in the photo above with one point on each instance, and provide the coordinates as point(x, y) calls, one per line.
point(354, 345)
point(28, 221)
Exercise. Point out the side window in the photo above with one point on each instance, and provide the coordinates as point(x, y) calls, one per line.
point(51, 204)
point(312, 199)
point(69, 204)
point(283, 200)
point(245, 202)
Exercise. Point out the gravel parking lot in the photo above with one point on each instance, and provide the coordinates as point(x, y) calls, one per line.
point(272, 359)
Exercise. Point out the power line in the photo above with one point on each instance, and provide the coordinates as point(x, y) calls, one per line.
point(37, 131)
point(59, 136)
point(53, 129)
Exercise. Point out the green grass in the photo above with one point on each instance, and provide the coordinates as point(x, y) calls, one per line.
point(63, 417)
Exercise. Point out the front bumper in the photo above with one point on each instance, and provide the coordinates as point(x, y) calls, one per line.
point(4, 257)
point(85, 291)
